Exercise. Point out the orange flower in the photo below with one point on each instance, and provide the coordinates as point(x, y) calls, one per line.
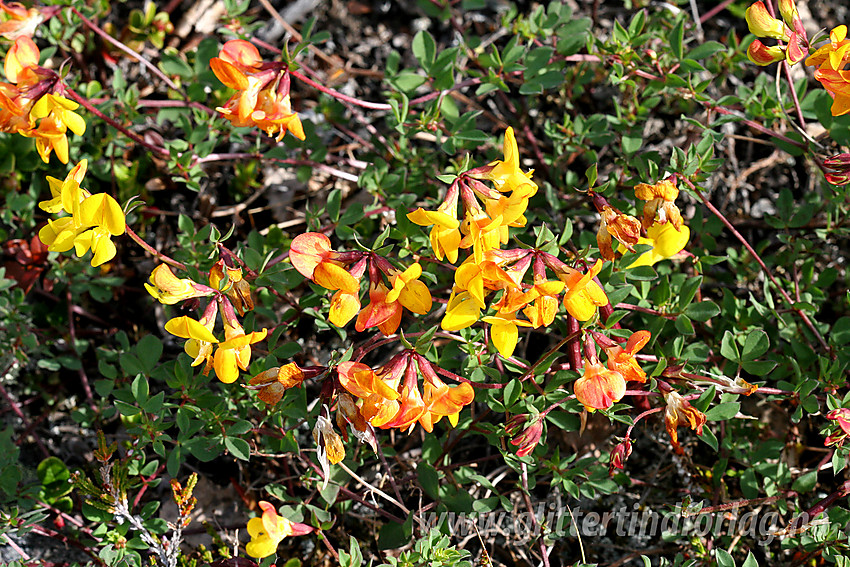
point(329, 447)
point(22, 55)
point(230, 281)
point(21, 22)
point(659, 203)
point(623, 360)
point(583, 294)
point(275, 381)
point(263, 97)
point(625, 228)
point(311, 254)
point(679, 412)
point(381, 313)
point(599, 387)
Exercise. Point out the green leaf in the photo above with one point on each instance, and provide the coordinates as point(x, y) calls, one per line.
point(840, 334)
point(723, 558)
point(642, 273)
point(632, 143)
point(702, 311)
point(52, 471)
point(140, 389)
point(759, 368)
point(684, 325)
point(705, 50)
point(512, 392)
point(755, 345)
point(805, 482)
point(729, 348)
point(724, 411)
point(676, 39)
point(424, 49)
point(239, 448)
point(429, 480)
point(334, 202)
point(750, 561)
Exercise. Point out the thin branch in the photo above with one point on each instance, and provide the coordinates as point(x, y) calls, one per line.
point(763, 266)
point(153, 68)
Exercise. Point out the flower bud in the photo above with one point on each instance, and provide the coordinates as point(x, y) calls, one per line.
point(762, 55)
point(530, 436)
point(619, 455)
point(762, 24)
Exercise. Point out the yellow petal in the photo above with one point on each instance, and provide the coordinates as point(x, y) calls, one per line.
point(188, 328)
point(102, 210)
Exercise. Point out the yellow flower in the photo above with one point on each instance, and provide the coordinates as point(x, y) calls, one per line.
point(504, 332)
point(235, 352)
point(57, 117)
point(833, 53)
point(762, 24)
point(506, 174)
point(267, 532)
point(481, 233)
point(66, 195)
point(344, 307)
point(199, 334)
point(94, 219)
point(542, 302)
point(583, 294)
point(666, 242)
point(445, 236)
point(168, 289)
point(462, 311)
point(409, 291)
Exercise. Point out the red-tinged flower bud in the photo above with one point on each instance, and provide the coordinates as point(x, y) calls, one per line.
point(762, 55)
point(762, 24)
point(619, 456)
point(530, 436)
point(841, 416)
point(796, 51)
point(838, 169)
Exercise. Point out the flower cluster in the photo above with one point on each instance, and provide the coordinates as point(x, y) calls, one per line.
point(90, 221)
point(230, 293)
point(789, 30)
point(600, 387)
point(830, 60)
point(490, 270)
point(390, 396)
point(391, 290)
point(661, 226)
point(262, 99)
point(30, 105)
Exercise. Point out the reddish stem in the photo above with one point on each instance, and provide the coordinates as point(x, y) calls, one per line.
point(761, 263)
